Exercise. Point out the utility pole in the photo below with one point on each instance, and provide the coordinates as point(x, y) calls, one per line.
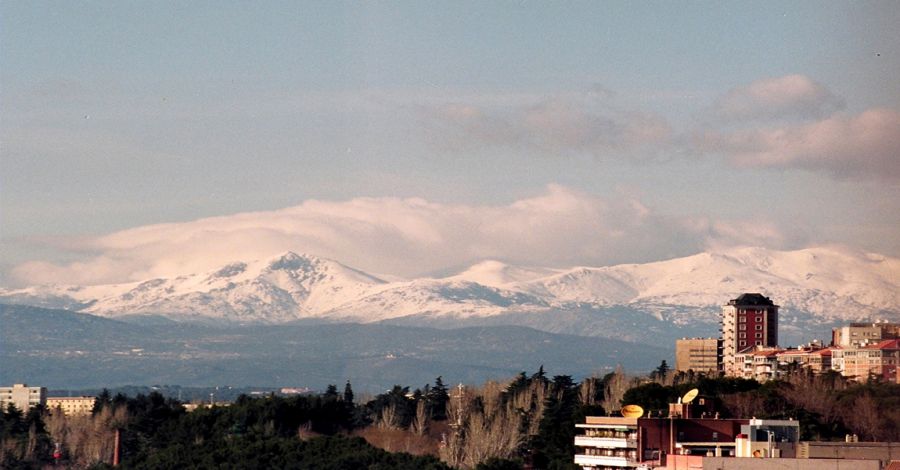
point(459, 408)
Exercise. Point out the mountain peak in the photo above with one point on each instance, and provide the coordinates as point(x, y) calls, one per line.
point(290, 261)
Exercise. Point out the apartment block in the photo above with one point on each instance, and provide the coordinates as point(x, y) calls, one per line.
point(856, 335)
point(22, 396)
point(747, 321)
point(71, 406)
point(698, 354)
point(880, 360)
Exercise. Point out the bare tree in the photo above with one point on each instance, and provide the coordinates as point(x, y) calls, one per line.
point(389, 417)
point(420, 423)
point(865, 417)
point(615, 390)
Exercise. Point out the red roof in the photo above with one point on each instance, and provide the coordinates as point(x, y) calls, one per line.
point(886, 344)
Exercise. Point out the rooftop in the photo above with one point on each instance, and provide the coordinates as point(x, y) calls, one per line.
point(752, 299)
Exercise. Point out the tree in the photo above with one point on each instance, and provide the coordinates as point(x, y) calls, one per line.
point(437, 398)
point(616, 385)
point(348, 393)
point(662, 371)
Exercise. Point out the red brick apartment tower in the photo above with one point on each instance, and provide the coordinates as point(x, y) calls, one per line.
point(747, 321)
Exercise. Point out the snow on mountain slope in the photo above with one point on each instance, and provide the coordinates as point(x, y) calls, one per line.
point(498, 274)
point(437, 297)
point(280, 289)
point(829, 283)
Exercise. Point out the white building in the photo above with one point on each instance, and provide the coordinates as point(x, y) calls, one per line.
point(606, 442)
point(22, 396)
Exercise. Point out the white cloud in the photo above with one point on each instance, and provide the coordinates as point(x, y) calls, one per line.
point(401, 236)
point(791, 96)
point(865, 145)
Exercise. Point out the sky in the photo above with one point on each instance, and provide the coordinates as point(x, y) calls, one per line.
point(144, 139)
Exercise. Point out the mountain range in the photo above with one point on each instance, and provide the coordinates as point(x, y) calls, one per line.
point(65, 349)
point(816, 288)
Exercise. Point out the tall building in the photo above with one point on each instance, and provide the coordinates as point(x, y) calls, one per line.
point(698, 354)
point(22, 396)
point(748, 321)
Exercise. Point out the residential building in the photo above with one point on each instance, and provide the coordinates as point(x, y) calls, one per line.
point(620, 442)
point(856, 335)
point(698, 354)
point(22, 396)
point(813, 357)
point(71, 406)
point(747, 321)
point(880, 360)
point(757, 362)
point(606, 442)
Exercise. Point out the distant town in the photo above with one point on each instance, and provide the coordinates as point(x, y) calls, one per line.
point(748, 347)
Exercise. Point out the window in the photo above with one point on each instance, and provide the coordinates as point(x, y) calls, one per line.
point(742, 327)
point(759, 335)
point(759, 318)
point(759, 343)
point(743, 343)
point(742, 319)
point(742, 335)
point(758, 327)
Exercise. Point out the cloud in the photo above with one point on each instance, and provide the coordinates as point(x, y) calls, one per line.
point(561, 124)
point(560, 227)
point(791, 96)
point(864, 145)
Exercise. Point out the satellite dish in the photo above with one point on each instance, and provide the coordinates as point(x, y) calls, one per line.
point(632, 411)
point(690, 395)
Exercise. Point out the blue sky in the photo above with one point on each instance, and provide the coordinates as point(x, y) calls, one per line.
point(683, 124)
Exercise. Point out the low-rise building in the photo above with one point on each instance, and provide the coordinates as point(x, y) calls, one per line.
point(606, 442)
point(758, 362)
point(812, 357)
point(22, 396)
point(880, 360)
point(857, 335)
point(71, 406)
point(603, 442)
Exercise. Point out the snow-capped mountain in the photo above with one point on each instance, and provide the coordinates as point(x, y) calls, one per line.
point(826, 284)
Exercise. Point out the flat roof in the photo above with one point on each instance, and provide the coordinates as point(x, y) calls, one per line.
point(611, 420)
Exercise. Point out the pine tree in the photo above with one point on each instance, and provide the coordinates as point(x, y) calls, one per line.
point(348, 393)
point(437, 398)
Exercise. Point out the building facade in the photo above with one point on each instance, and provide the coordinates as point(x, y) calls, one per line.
point(880, 361)
point(814, 358)
point(606, 442)
point(22, 396)
point(856, 335)
point(747, 321)
point(758, 362)
point(71, 406)
point(698, 354)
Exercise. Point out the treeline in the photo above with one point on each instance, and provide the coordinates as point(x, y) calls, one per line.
point(499, 425)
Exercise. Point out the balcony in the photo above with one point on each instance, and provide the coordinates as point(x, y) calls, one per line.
point(606, 442)
point(603, 460)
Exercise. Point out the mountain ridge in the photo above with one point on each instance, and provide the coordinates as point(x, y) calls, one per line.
point(823, 284)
